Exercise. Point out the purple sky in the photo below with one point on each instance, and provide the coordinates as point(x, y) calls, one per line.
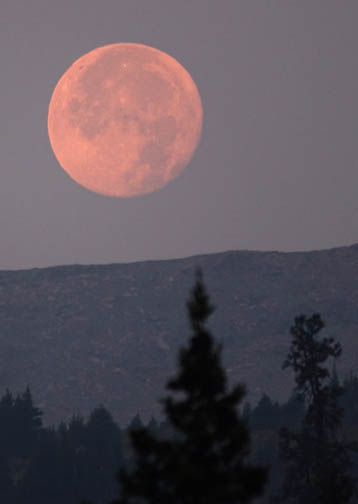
point(277, 164)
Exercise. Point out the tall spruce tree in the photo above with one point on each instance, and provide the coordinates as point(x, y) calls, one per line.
point(316, 457)
point(205, 459)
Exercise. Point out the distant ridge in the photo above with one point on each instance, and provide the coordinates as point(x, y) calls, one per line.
point(84, 335)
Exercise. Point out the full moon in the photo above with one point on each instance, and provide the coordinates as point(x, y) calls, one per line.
point(125, 119)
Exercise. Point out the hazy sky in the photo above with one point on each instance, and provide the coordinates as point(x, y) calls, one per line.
point(277, 164)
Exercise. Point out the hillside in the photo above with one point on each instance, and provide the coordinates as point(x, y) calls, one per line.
point(84, 335)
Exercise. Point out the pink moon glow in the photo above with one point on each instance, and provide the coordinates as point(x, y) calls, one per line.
point(125, 119)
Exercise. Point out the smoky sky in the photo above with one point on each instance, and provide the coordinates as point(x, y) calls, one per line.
point(276, 168)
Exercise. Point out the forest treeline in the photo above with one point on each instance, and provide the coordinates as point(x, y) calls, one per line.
point(302, 450)
point(79, 460)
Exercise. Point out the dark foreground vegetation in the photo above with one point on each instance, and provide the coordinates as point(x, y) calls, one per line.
point(212, 447)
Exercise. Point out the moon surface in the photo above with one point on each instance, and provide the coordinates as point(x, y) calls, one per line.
point(125, 119)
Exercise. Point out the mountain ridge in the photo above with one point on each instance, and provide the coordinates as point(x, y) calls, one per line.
point(191, 256)
point(81, 335)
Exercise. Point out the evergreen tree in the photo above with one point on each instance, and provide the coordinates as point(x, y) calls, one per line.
point(27, 425)
point(292, 412)
point(266, 415)
point(205, 460)
point(103, 455)
point(136, 423)
point(349, 400)
point(318, 468)
point(6, 426)
point(43, 480)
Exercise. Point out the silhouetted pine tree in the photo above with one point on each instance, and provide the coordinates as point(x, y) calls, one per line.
point(103, 457)
point(205, 460)
point(317, 459)
point(6, 424)
point(27, 425)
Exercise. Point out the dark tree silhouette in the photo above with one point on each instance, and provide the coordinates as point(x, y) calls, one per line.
point(349, 400)
point(103, 457)
point(205, 459)
point(317, 459)
point(6, 425)
point(27, 422)
point(266, 415)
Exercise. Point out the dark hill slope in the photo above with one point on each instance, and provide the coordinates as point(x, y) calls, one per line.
point(84, 335)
